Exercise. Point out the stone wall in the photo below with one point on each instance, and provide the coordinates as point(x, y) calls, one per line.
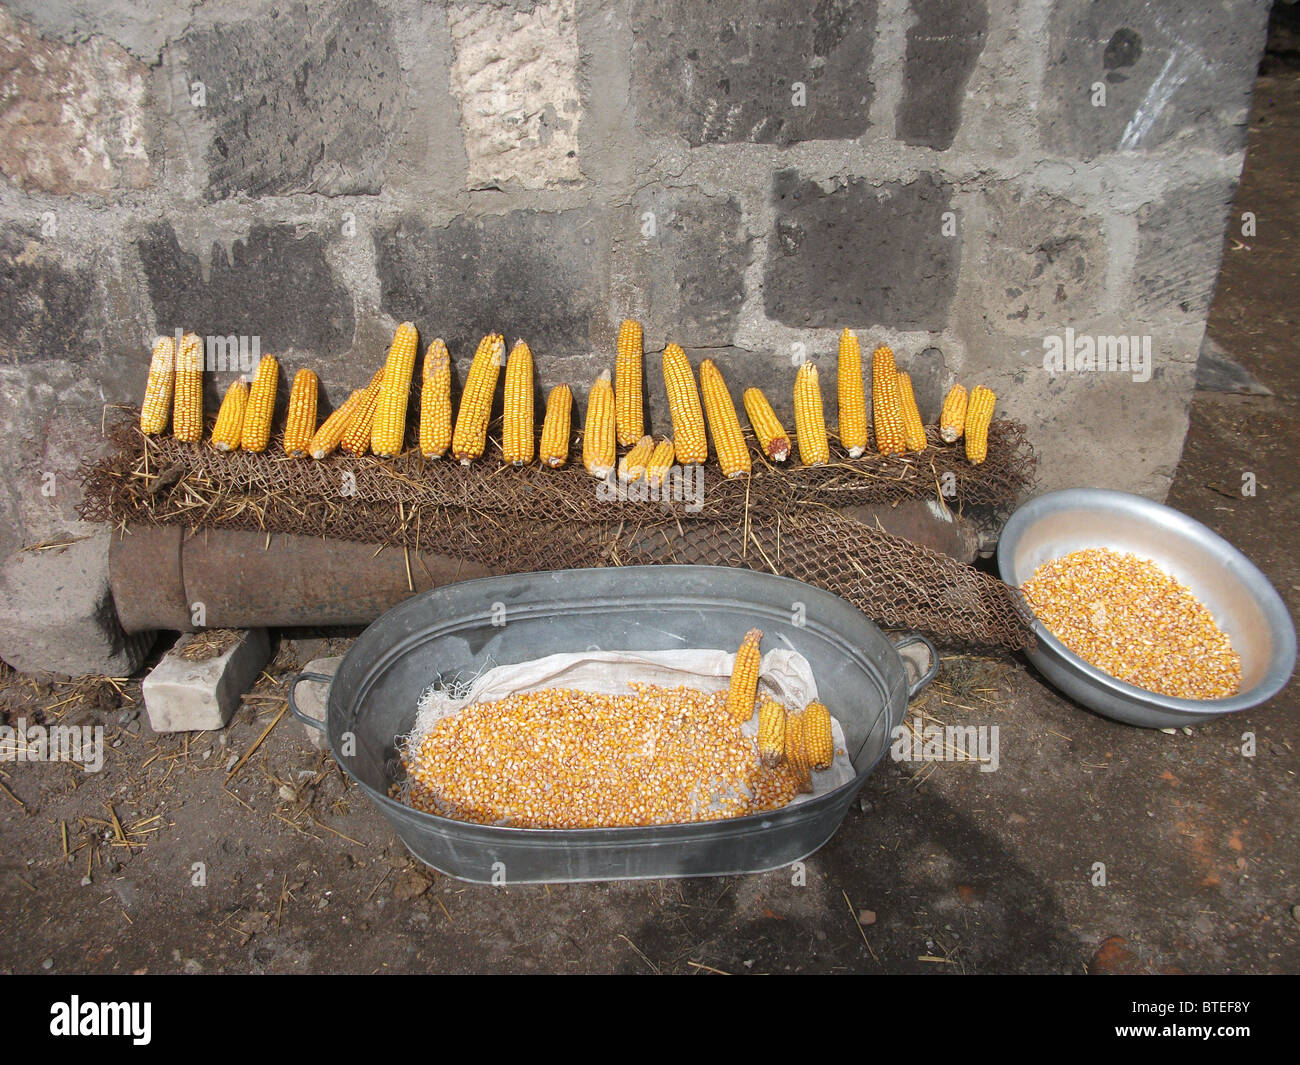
point(959, 178)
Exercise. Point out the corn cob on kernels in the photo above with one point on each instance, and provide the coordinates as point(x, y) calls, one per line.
point(809, 422)
point(157, 406)
point(952, 421)
point(852, 396)
point(724, 426)
point(767, 427)
point(689, 443)
point(470, 436)
point(557, 427)
point(818, 743)
point(796, 755)
point(744, 678)
point(187, 405)
point(330, 434)
point(771, 732)
point(358, 432)
point(629, 405)
point(661, 461)
point(632, 466)
point(887, 403)
point(979, 414)
point(599, 446)
point(261, 405)
point(230, 417)
point(435, 401)
point(300, 424)
point(913, 427)
point(517, 428)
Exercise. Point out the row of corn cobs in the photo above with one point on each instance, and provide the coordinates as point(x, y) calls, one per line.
point(374, 418)
point(802, 740)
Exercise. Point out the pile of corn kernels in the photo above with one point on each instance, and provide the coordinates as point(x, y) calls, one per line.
point(1128, 617)
point(568, 759)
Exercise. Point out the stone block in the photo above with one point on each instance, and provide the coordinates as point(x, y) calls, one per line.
point(51, 307)
point(185, 696)
point(1180, 245)
point(312, 698)
point(944, 43)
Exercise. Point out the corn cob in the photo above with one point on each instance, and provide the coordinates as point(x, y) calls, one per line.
point(517, 428)
point(470, 437)
point(556, 429)
point(629, 406)
point(724, 427)
point(913, 427)
point(157, 406)
point(979, 414)
point(300, 425)
point(684, 402)
point(887, 403)
point(767, 427)
point(261, 405)
point(599, 449)
point(359, 431)
point(818, 743)
point(809, 423)
point(187, 401)
point(852, 397)
point(330, 434)
point(744, 678)
point(435, 401)
point(632, 466)
point(230, 417)
point(952, 422)
point(388, 432)
point(796, 755)
point(661, 461)
point(771, 732)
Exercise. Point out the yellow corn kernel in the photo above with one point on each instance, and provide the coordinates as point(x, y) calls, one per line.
point(261, 405)
point(887, 403)
point(359, 431)
point(632, 466)
point(809, 422)
point(300, 424)
point(557, 427)
point(744, 678)
point(230, 417)
point(599, 448)
point(913, 427)
point(388, 432)
point(187, 403)
point(952, 422)
point(818, 743)
point(852, 396)
point(157, 406)
point(661, 461)
point(470, 436)
point(724, 426)
point(979, 415)
point(689, 442)
point(517, 427)
point(767, 426)
point(435, 401)
point(629, 405)
point(330, 434)
point(771, 732)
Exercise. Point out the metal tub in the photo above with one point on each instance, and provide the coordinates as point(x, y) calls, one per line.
point(449, 633)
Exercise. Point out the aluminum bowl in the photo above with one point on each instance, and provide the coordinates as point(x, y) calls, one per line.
point(1244, 604)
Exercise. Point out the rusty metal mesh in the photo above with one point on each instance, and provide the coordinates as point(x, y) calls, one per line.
point(783, 521)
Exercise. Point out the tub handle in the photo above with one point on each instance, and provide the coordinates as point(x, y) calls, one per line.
point(298, 678)
point(923, 662)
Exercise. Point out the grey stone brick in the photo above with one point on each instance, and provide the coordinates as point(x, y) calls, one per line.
point(184, 696)
point(50, 309)
point(943, 44)
point(1180, 244)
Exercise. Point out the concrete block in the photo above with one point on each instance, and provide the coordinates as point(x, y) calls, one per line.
point(56, 613)
point(50, 306)
point(313, 698)
point(727, 73)
point(1180, 244)
point(184, 696)
point(943, 44)
point(861, 254)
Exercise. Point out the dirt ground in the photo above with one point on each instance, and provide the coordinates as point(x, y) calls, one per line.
point(950, 869)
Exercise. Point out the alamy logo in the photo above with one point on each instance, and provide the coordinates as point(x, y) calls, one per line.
point(948, 743)
point(75, 1017)
point(229, 353)
point(681, 484)
point(1085, 353)
point(83, 744)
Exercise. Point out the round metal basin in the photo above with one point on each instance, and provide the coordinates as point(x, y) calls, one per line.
point(1244, 604)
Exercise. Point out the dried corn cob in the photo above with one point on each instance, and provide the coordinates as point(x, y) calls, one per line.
point(661, 461)
point(230, 417)
point(157, 406)
point(852, 396)
point(435, 401)
point(517, 428)
point(952, 422)
point(599, 449)
point(744, 678)
point(913, 427)
point(632, 466)
point(809, 423)
point(261, 405)
point(724, 427)
point(629, 406)
point(187, 402)
point(300, 426)
point(358, 433)
point(796, 755)
point(330, 434)
point(771, 732)
point(887, 403)
point(767, 427)
point(818, 743)
point(979, 414)
point(557, 428)
point(689, 443)
point(388, 432)
point(470, 436)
